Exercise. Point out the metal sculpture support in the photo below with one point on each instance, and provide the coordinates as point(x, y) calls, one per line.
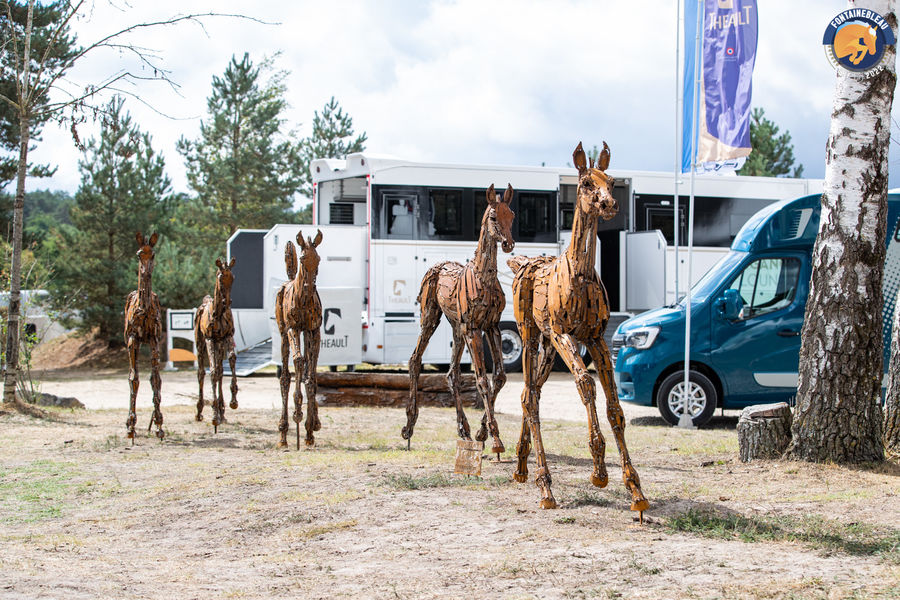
point(214, 336)
point(471, 298)
point(299, 310)
point(143, 324)
point(558, 303)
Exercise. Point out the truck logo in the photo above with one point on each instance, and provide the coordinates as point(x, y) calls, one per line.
point(399, 287)
point(328, 325)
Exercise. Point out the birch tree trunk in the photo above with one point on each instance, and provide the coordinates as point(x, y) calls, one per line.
point(838, 415)
point(892, 403)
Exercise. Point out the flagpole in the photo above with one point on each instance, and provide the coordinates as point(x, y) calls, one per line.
point(686, 421)
point(678, 127)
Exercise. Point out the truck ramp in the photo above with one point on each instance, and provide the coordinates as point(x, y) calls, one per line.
point(251, 360)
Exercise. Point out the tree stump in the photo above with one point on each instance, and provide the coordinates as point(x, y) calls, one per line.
point(764, 431)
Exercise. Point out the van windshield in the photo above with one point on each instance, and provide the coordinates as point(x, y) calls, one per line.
point(710, 282)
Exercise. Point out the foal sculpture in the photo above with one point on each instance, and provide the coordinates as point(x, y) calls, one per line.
point(558, 303)
point(299, 310)
point(144, 325)
point(214, 336)
point(471, 298)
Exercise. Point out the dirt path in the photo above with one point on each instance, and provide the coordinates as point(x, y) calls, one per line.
point(85, 515)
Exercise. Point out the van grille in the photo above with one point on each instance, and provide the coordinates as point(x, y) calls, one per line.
point(617, 342)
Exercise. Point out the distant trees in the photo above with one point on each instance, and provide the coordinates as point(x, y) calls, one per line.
point(772, 154)
point(124, 189)
point(332, 137)
point(244, 165)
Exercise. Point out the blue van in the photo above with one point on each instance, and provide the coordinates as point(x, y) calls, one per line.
point(746, 316)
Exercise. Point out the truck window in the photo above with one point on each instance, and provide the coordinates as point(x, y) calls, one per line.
point(767, 285)
point(445, 214)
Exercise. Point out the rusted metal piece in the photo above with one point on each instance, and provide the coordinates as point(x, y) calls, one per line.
point(298, 310)
point(214, 335)
point(558, 303)
point(471, 298)
point(143, 325)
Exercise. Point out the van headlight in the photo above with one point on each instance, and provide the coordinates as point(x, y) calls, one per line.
point(642, 338)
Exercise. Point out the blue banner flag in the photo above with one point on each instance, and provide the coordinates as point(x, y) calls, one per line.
point(728, 54)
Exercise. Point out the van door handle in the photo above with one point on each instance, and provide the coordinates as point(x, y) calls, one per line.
point(788, 332)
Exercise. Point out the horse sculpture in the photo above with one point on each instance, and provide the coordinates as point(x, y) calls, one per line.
point(471, 298)
point(559, 302)
point(144, 325)
point(299, 310)
point(214, 335)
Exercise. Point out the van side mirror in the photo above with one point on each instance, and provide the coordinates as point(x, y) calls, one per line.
point(730, 305)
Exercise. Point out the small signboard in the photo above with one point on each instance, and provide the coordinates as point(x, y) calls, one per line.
point(181, 320)
point(468, 457)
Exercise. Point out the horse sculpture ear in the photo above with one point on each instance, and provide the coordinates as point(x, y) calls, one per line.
point(491, 196)
point(140, 238)
point(231, 264)
point(579, 158)
point(153, 238)
point(318, 238)
point(219, 264)
point(508, 194)
point(603, 159)
point(300, 240)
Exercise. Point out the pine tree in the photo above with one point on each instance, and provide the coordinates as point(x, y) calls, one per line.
point(244, 165)
point(773, 154)
point(332, 137)
point(123, 189)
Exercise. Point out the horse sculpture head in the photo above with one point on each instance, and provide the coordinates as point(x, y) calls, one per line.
point(498, 218)
point(309, 258)
point(594, 195)
point(145, 254)
point(225, 279)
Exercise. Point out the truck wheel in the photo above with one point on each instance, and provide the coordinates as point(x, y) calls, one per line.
point(511, 348)
point(702, 398)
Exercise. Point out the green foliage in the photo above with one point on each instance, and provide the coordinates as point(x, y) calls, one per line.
point(35, 491)
point(772, 154)
point(244, 166)
point(332, 137)
point(124, 189)
point(823, 534)
point(59, 50)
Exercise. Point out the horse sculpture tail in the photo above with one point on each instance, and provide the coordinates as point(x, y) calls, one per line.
point(517, 262)
point(290, 259)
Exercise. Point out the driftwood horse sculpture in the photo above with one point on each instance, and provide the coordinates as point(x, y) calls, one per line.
point(559, 302)
point(471, 298)
point(143, 324)
point(214, 335)
point(299, 310)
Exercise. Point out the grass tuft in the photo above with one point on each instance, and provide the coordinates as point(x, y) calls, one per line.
point(856, 539)
point(436, 480)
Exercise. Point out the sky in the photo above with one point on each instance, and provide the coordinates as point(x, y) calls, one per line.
point(500, 82)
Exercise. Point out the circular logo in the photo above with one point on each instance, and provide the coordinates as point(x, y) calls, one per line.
point(729, 51)
point(856, 39)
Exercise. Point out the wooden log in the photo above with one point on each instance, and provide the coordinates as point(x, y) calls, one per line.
point(764, 431)
point(391, 381)
point(361, 396)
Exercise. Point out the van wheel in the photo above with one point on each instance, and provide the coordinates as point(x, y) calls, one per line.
point(511, 348)
point(702, 398)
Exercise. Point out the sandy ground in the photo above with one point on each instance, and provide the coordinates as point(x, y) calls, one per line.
point(83, 514)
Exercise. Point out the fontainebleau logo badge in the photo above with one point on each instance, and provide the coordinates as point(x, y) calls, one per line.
point(856, 39)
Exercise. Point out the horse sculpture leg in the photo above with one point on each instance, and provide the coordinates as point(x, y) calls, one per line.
point(133, 384)
point(311, 341)
point(232, 362)
point(531, 410)
point(430, 319)
point(202, 362)
point(285, 382)
point(215, 376)
point(294, 337)
point(453, 376)
point(567, 347)
point(489, 420)
point(485, 390)
point(156, 385)
point(600, 353)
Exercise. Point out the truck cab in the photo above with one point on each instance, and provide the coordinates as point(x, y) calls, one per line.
point(746, 317)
